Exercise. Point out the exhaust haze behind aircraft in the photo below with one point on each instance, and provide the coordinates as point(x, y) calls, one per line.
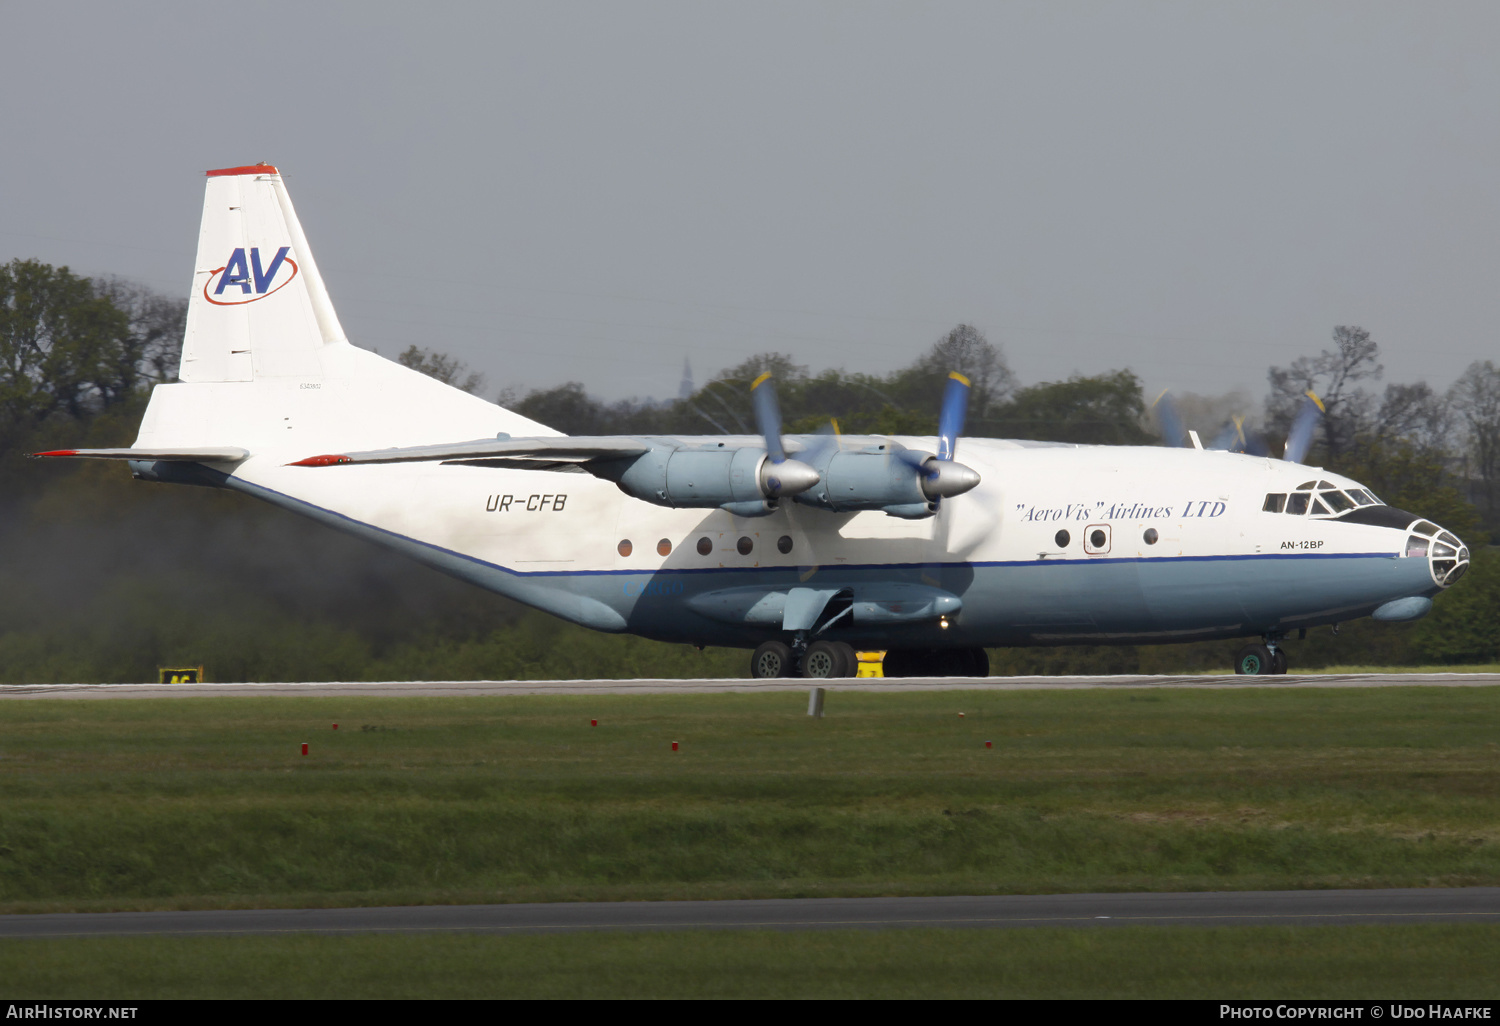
point(799, 547)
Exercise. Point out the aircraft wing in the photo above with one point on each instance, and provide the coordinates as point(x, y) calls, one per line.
point(186, 454)
point(558, 449)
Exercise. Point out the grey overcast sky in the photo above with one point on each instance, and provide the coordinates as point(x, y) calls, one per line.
point(593, 191)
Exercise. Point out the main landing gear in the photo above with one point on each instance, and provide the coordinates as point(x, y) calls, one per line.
point(825, 659)
point(1265, 658)
point(819, 660)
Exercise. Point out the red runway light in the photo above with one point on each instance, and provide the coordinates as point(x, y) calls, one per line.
point(304, 748)
point(674, 746)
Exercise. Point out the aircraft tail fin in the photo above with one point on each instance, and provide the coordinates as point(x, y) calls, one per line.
point(266, 366)
point(258, 306)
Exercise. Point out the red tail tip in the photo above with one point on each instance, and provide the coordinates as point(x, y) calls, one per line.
point(244, 169)
point(319, 461)
point(54, 452)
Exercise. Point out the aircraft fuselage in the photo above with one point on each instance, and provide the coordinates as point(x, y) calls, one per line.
point(1059, 544)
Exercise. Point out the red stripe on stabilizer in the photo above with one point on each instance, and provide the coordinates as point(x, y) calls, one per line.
point(54, 452)
point(248, 169)
point(320, 461)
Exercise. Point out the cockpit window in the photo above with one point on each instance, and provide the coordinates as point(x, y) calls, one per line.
point(1445, 536)
point(1427, 527)
point(1362, 497)
point(1416, 546)
point(1297, 503)
point(1326, 484)
point(1307, 486)
point(1275, 503)
point(1318, 509)
point(1337, 501)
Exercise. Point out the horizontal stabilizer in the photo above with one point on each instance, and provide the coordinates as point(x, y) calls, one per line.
point(187, 454)
point(561, 448)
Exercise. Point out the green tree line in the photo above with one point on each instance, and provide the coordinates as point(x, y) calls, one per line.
point(105, 579)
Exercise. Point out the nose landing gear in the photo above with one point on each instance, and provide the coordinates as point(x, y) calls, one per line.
point(1265, 658)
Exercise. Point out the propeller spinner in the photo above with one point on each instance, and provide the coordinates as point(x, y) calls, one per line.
point(778, 475)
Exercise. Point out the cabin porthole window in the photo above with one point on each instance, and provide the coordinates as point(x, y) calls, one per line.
point(1096, 539)
point(624, 547)
point(1150, 536)
point(705, 546)
point(745, 546)
point(664, 547)
point(784, 544)
point(1062, 539)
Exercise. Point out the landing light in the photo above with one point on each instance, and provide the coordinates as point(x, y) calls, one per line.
point(943, 622)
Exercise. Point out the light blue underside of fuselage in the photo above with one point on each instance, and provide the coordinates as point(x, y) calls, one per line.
point(1038, 602)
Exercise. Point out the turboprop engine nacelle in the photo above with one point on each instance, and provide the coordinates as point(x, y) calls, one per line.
point(902, 482)
point(743, 480)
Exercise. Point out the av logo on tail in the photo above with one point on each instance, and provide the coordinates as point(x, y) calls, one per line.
point(253, 279)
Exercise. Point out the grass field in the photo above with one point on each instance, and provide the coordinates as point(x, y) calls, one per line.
point(1418, 961)
point(196, 803)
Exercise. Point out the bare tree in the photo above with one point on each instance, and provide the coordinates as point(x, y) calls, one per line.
point(1336, 376)
point(1476, 399)
point(1417, 415)
point(158, 324)
point(967, 351)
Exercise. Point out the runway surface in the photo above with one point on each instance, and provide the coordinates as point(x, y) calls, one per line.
point(1217, 908)
point(657, 687)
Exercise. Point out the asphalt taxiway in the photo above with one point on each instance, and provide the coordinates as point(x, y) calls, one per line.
point(657, 687)
point(1210, 908)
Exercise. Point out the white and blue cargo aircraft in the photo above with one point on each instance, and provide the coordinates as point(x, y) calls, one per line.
point(799, 548)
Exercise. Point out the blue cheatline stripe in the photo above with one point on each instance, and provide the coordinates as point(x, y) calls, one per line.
point(282, 499)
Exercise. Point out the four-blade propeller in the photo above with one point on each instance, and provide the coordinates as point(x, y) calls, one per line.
point(1233, 437)
point(942, 478)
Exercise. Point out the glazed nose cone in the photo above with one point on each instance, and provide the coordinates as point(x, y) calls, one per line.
point(1449, 557)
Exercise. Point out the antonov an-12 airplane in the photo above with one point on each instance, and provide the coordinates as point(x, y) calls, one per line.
point(800, 547)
